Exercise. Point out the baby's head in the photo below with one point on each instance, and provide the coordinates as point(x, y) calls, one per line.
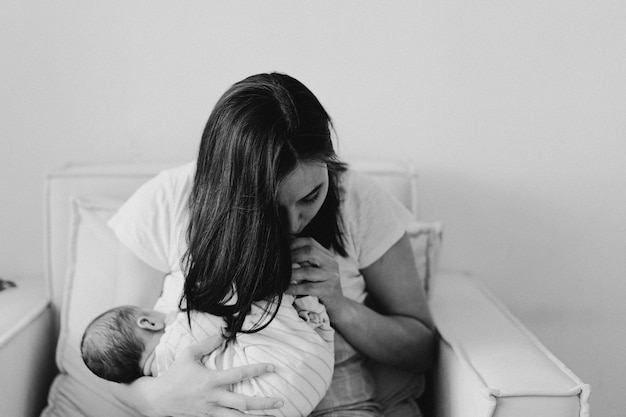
point(118, 345)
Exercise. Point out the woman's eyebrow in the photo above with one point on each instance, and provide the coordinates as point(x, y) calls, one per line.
point(312, 193)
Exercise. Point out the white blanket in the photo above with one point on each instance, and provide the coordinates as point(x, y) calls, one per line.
point(299, 342)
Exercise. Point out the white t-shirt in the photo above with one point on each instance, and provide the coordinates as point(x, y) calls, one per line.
point(299, 342)
point(153, 225)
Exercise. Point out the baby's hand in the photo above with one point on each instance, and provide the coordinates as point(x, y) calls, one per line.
point(314, 314)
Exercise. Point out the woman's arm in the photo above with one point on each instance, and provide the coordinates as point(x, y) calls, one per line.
point(187, 388)
point(400, 331)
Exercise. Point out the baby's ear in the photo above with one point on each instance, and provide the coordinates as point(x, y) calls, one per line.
point(148, 323)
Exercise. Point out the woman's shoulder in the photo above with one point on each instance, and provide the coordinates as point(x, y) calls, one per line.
point(357, 188)
point(366, 204)
point(165, 194)
point(180, 175)
point(169, 183)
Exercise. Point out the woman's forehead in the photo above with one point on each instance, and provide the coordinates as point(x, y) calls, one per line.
point(305, 177)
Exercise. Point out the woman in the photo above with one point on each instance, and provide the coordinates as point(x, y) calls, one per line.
point(269, 208)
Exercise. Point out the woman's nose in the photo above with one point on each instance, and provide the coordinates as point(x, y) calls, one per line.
point(293, 217)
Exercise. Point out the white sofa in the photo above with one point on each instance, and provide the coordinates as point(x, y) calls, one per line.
point(489, 364)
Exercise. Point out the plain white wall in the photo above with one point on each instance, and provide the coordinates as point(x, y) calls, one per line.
point(514, 112)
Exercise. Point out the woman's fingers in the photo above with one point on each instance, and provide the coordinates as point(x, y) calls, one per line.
point(307, 253)
point(316, 273)
point(228, 376)
point(304, 258)
point(244, 403)
point(229, 412)
point(307, 273)
point(300, 242)
point(308, 249)
point(206, 391)
point(305, 288)
point(241, 373)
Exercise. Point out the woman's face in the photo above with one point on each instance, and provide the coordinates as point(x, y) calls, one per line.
point(302, 192)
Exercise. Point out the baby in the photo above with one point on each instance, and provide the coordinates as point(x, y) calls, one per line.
point(128, 342)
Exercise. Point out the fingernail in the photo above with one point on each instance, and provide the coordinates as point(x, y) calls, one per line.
point(278, 404)
point(270, 368)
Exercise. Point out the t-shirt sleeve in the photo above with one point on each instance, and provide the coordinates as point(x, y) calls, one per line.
point(375, 219)
point(148, 223)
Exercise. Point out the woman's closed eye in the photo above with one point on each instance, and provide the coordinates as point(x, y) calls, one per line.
point(311, 198)
point(313, 195)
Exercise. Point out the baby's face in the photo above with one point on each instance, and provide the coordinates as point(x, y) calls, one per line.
point(150, 327)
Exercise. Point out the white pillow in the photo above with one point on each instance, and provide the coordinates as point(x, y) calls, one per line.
point(90, 290)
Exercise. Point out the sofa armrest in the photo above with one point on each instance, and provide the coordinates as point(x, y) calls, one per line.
point(26, 348)
point(490, 364)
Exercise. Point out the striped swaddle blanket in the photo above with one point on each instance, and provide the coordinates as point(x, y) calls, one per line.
point(299, 342)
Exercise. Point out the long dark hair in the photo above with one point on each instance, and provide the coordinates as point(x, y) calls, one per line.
point(238, 241)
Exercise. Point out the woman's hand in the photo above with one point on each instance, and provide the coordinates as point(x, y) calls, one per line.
point(316, 273)
point(188, 388)
point(400, 331)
